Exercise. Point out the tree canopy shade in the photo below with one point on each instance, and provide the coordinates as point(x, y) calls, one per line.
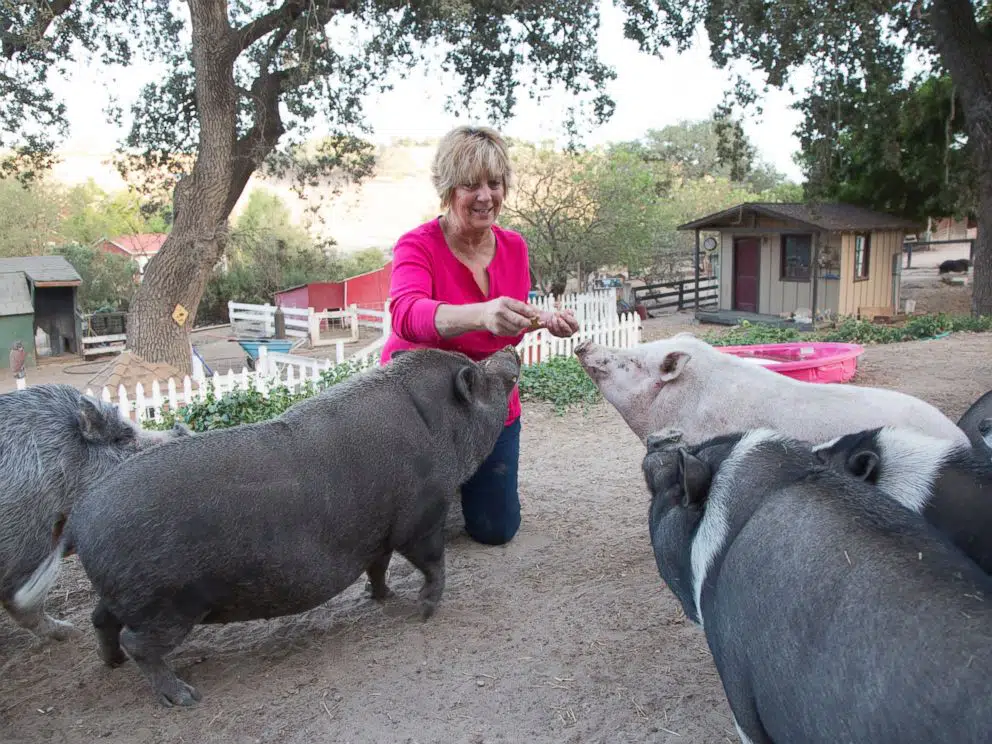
point(247, 82)
point(857, 52)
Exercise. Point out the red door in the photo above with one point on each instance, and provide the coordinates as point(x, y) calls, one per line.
point(747, 264)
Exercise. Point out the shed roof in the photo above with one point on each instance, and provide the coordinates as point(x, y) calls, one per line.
point(831, 216)
point(139, 244)
point(15, 297)
point(55, 270)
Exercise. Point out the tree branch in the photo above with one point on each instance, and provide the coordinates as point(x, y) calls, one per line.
point(16, 44)
point(255, 30)
point(258, 142)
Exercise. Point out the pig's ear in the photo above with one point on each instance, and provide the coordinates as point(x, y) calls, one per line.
point(92, 423)
point(985, 429)
point(673, 364)
point(863, 465)
point(466, 382)
point(695, 476)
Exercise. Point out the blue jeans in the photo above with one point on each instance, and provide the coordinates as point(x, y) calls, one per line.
point(490, 501)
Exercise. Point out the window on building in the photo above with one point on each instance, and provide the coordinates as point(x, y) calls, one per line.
point(797, 255)
point(862, 257)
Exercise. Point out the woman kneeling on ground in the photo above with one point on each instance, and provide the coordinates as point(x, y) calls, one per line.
point(460, 282)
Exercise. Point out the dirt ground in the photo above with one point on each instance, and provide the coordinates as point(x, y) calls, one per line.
point(566, 635)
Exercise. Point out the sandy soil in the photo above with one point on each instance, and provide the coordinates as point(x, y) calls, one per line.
point(566, 635)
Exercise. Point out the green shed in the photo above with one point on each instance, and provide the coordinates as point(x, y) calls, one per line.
point(38, 299)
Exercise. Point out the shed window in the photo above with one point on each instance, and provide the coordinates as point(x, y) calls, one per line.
point(797, 253)
point(862, 257)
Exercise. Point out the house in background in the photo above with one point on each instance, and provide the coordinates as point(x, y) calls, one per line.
point(776, 260)
point(38, 307)
point(140, 247)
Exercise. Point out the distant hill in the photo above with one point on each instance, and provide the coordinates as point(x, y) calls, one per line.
point(372, 215)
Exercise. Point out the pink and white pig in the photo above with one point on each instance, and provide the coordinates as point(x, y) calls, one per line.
point(686, 383)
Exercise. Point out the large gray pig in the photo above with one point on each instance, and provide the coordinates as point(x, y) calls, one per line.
point(949, 484)
point(54, 441)
point(277, 517)
point(833, 614)
point(685, 382)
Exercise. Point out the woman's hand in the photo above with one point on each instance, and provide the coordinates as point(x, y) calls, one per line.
point(505, 316)
point(561, 323)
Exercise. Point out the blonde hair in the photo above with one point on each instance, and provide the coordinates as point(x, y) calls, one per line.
point(469, 155)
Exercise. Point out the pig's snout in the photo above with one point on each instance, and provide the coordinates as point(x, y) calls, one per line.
point(583, 348)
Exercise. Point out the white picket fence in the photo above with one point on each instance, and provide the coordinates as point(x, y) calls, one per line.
point(304, 322)
point(624, 332)
point(293, 371)
point(598, 306)
point(260, 320)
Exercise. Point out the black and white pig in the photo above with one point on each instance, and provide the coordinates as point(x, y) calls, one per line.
point(277, 517)
point(833, 614)
point(948, 483)
point(54, 441)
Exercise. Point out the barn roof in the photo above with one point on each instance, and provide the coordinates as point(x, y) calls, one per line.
point(831, 216)
point(15, 297)
point(43, 270)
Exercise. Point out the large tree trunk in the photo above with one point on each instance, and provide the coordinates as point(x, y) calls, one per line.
point(967, 55)
point(179, 273)
point(204, 199)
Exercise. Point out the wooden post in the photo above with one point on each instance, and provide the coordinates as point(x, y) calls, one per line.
point(815, 268)
point(353, 317)
point(695, 270)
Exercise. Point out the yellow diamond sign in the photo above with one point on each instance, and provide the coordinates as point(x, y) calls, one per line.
point(180, 314)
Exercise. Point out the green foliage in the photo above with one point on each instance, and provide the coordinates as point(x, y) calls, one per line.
point(577, 210)
point(894, 147)
point(108, 279)
point(269, 251)
point(560, 381)
point(92, 214)
point(29, 218)
point(247, 405)
point(851, 330)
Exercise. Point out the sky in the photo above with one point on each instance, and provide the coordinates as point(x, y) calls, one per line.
point(649, 93)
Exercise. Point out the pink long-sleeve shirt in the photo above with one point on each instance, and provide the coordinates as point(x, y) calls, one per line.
point(427, 274)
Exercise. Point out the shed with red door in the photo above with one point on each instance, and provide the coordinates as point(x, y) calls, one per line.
point(792, 262)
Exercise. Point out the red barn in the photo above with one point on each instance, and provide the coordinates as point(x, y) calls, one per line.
point(368, 290)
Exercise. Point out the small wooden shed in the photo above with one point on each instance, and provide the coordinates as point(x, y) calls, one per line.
point(38, 292)
point(776, 260)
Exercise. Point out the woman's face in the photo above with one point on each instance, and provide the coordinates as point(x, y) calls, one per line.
point(476, 206)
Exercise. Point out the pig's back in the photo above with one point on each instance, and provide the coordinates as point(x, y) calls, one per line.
point(860, 603)
point(758, 397)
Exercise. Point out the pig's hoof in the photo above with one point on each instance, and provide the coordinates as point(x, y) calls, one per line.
point(113, 659)
point(59, 630)
point(179, 693)
point(380, 595)
point(427, 607)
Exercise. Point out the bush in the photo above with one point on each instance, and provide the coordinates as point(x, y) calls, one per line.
point(248, 405)
point(850, 330)
point(560, 381)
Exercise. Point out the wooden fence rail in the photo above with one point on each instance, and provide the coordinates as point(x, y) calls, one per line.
point(678, 295)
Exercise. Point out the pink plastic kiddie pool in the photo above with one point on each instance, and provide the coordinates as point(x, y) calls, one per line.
point(818, 361)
